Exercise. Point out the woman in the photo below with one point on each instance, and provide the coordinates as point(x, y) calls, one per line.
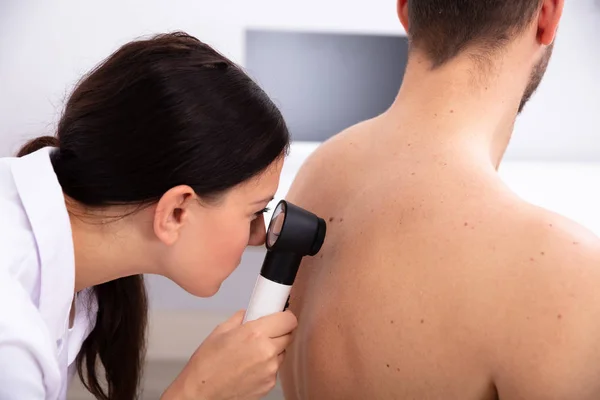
point(164, 161)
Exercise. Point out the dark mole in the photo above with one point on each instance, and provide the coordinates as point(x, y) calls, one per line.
point(542, 253)
point(451, 111)
point(388, 365)
point(413, 173)
point(331, 219)
point(532, 259)
point(341, 219)
point(435, 115)
point(398, 369)
point(392, 321)
point(422, 321)
point(559, 316)
point(466, 224)
point(409, 145)
point(203, 382)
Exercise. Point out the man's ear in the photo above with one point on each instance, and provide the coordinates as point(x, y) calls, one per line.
point(172, 212)
point(402, 10)
point(548, 20)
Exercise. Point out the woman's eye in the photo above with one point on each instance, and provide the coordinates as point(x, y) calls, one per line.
point(263, 211)
point(260, 213)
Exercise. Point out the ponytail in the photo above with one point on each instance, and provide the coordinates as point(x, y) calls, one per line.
point(37, 144)
point(118, 339)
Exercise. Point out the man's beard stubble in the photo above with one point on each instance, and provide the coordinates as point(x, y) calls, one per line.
point(536, 77)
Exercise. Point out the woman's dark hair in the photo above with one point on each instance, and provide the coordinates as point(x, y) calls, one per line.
point(158, 113)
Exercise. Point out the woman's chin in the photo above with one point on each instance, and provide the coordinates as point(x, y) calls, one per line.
point(205, 291)
point(212, 292)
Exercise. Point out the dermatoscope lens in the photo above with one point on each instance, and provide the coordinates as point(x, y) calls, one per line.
point(276, 225)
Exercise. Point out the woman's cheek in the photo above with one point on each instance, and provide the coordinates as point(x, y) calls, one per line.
point(238, 245)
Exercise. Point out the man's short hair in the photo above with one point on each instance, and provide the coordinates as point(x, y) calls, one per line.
point(444, 28)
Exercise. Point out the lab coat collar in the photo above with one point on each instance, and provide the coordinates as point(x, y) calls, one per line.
point(43, 201)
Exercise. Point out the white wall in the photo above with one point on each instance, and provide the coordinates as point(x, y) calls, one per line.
point(563, 120)
point(45, 46)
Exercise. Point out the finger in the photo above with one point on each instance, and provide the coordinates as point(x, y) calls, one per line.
point(281, 343)
point(233, 322)
point(275, 325)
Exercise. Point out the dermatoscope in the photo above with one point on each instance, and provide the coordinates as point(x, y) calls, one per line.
point(293, 233)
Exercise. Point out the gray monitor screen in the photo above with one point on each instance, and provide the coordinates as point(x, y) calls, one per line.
point(326, 82)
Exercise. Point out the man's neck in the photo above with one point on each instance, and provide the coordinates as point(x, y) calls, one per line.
point(462, 103)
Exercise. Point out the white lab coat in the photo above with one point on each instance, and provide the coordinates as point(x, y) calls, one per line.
point(37, 278)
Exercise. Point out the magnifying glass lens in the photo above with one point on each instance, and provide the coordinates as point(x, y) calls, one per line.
point(276, 225)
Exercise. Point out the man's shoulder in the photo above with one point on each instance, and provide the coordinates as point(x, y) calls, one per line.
point(343, 146)
point(562, 242)
point(328, 164)
point(547, 311)
point(570, 255)
point(538, 249)
point(549, 264)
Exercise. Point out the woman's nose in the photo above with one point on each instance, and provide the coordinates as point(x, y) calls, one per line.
point(258, 232)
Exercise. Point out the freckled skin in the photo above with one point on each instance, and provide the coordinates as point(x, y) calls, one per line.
point(436, 282)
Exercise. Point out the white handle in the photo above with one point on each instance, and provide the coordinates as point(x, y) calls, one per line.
point(267, 298)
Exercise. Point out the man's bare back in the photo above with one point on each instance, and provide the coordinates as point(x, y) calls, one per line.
point(435, 281)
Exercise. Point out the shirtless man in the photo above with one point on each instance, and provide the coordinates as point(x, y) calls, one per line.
point(435, 280)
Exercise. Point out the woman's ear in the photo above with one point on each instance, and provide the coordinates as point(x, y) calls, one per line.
point(402, 6)
point(172, 212)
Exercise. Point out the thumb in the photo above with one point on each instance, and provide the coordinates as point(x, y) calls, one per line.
point(233, 322)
